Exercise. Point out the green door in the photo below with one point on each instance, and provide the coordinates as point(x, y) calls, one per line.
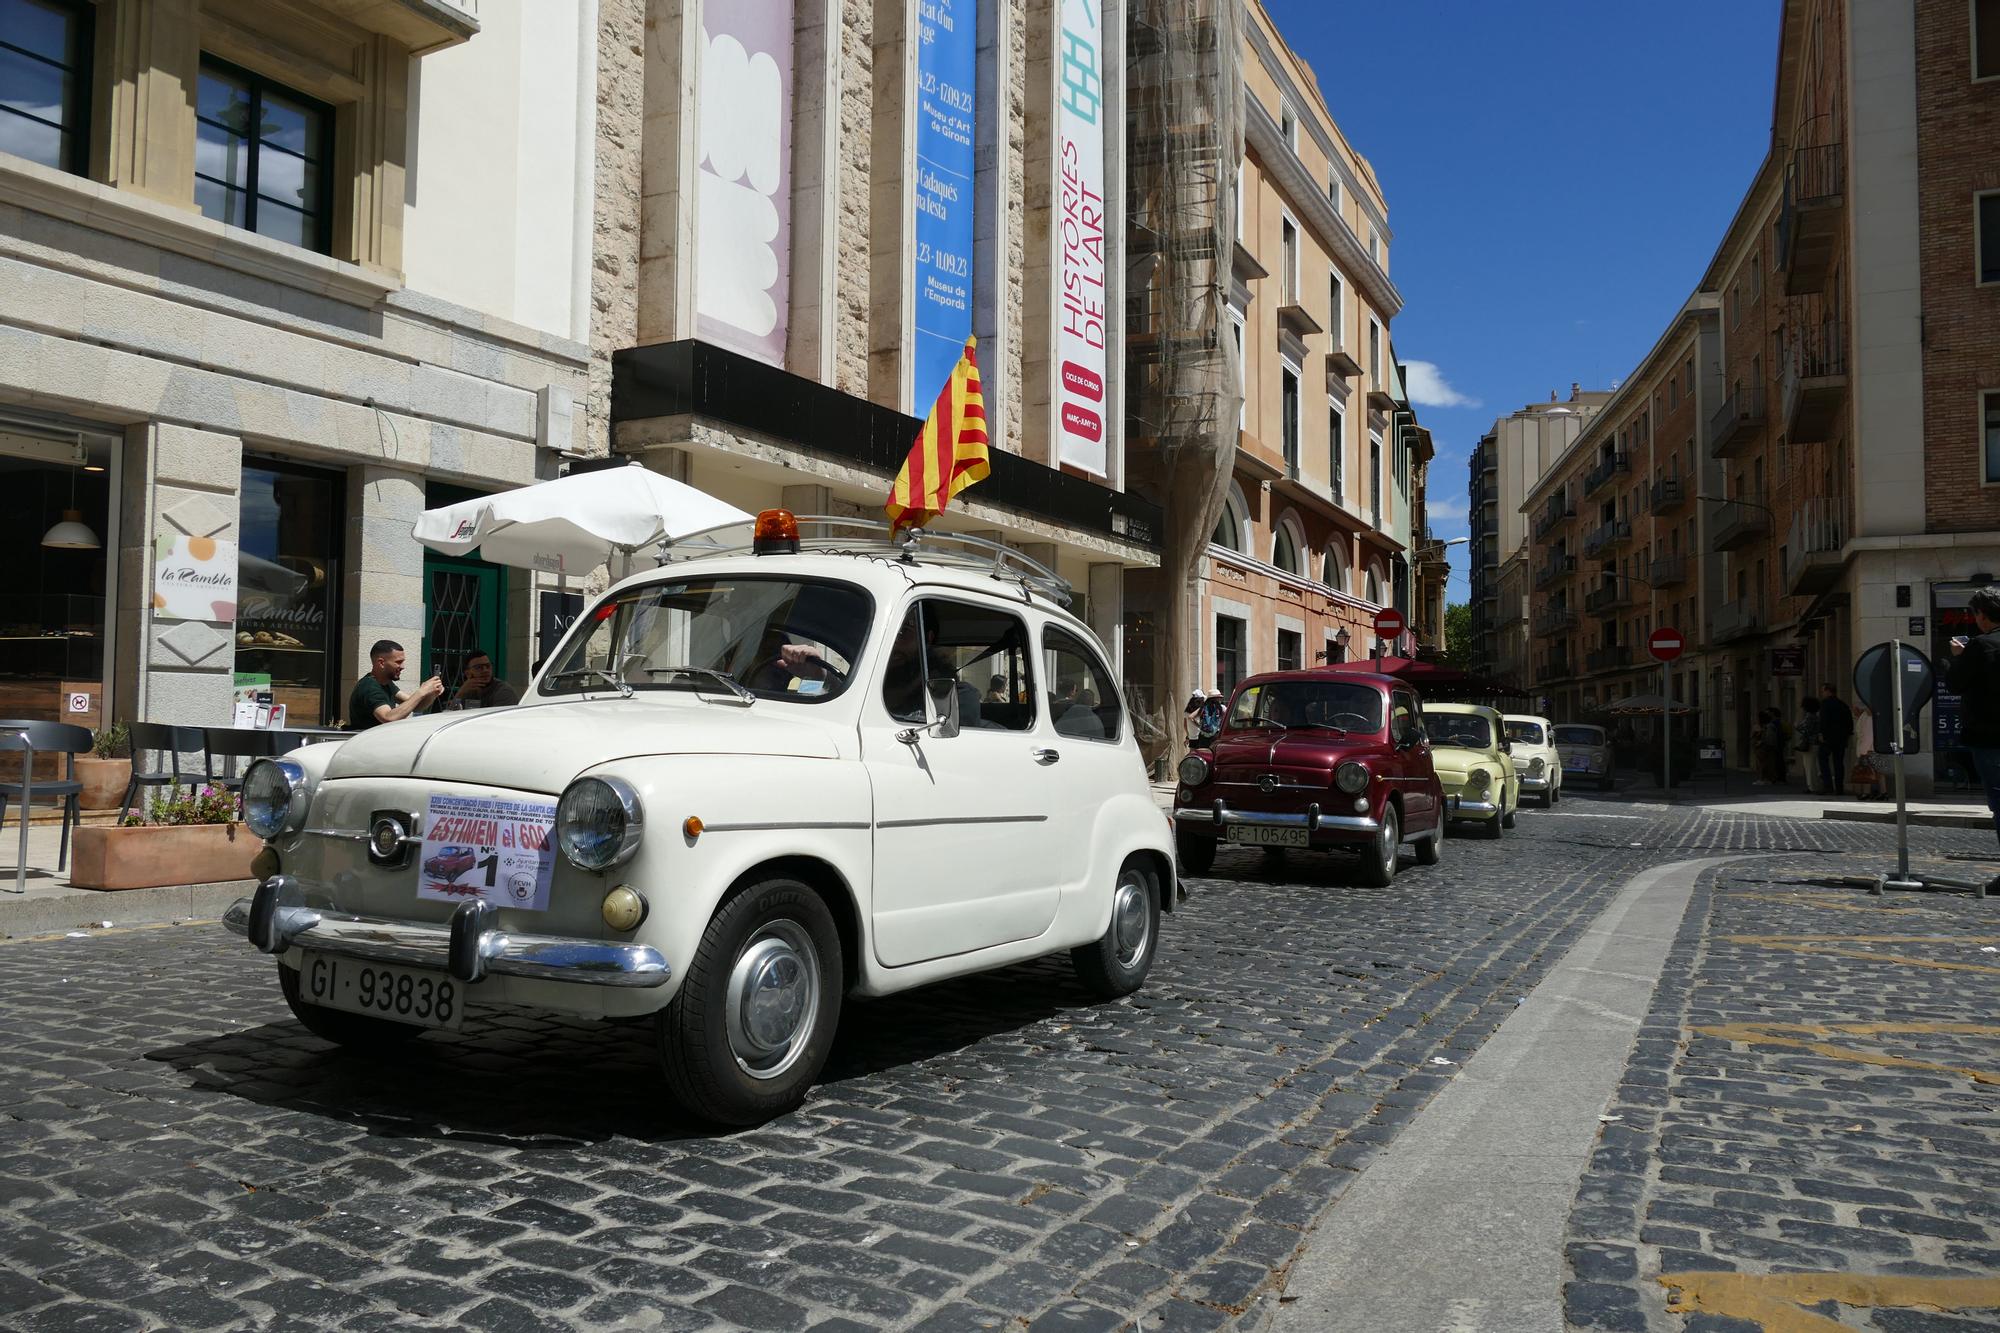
point(465, 609)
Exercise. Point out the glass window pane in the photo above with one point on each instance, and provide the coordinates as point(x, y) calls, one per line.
point(287, 179)
point(1992, 425)
point(46, 30)
point(33, 86)
point(220, 155)
point(286, 224)
point(224, 99)
point(219, 202)
point(32, 139)
point(1988, 240)
point(1085, 703)
point(290, 125)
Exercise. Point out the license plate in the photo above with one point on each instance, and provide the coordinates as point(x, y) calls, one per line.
point(1267, 837)
point(400, 994)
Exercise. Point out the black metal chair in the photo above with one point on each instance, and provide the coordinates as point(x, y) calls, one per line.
point(29, 739)
point(233, 744)
point(153, 739)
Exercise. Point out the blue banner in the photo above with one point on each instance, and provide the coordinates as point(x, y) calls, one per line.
point(947, 79)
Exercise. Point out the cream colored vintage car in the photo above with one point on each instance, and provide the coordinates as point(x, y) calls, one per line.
point(1469, 751)
point(745, 786)
point(1537, 763)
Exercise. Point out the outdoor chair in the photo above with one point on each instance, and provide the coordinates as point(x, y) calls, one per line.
point(232, 744)
point(29, 739)
point(149, 741)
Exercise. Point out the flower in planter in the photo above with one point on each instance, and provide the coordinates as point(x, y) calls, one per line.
point(210, 805)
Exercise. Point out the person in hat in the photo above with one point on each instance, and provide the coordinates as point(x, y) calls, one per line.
point(1205, 711)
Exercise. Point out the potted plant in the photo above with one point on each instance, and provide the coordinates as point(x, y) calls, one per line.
point(107, 770)
point(186, 836)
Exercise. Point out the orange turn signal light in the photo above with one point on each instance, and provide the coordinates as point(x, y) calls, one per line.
point(691, 826)
point(776, 532)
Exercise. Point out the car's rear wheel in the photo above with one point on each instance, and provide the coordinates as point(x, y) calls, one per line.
point(748, 1032)
point(1196, 853)
point(1378, 860)
point(1116, 963)
point(357, 1032)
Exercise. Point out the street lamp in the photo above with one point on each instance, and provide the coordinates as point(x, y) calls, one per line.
point(1340, 641)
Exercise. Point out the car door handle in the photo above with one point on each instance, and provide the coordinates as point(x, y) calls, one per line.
point(1044, 755)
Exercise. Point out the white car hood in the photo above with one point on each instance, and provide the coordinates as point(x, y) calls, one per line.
point(543, 747)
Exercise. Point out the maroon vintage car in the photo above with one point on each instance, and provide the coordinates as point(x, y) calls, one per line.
point(1315, 759)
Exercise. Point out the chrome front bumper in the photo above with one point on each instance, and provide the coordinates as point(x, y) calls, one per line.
point(276, 918)
point(1534, 784)
point(1221, 816)
point(1457, 807)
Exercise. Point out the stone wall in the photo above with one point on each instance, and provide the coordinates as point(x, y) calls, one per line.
point(614, 270)
point(857, 119)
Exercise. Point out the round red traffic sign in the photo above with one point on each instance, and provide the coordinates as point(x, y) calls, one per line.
point(1665, 644)
point(1388, 622)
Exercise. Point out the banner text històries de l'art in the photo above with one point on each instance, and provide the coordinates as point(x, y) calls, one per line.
point(1081, 410)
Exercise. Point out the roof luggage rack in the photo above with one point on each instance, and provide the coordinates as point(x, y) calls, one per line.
point(873, 537)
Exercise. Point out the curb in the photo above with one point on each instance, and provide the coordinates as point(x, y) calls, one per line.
point(84, 908)
point(1916, 820)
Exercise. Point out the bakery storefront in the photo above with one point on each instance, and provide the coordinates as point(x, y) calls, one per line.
point(292, 522)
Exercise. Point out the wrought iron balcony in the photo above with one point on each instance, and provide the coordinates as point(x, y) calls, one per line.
point(1668, 571)
point(1815, 381)
point(1555, 570)
point(1609, 657)
point(1666, 495)
point(1554, 619)
point(1607, 537)
point(1736, 423)
point(1595, 479)
point(1809, 220)
point(1814, 547)
point(1556, 511)
point(1611, 596)
point(1736, 620)
point(1738, 523)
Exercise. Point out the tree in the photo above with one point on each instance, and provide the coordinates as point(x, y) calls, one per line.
point(1458, 646)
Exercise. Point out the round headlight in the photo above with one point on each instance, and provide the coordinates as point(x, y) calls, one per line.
point(274, 797)
point(1194, 771)
point(1351, 778)
point(1479, 779)
point(1535, 766)
point(598, 823)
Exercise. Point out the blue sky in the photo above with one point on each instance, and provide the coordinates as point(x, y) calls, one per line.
point(1558, 175)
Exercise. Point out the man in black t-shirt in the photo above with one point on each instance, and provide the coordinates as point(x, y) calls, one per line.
point(376, 699)
point(1974, 675)
point(1836, 729)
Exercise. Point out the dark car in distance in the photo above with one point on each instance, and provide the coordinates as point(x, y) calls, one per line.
point(1321, 760)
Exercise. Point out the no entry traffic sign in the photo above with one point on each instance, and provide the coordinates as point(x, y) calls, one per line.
point(1665, 644)
point(1388, 622)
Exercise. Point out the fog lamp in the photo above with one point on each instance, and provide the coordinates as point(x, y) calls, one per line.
point(265, 864)
point(624, 908)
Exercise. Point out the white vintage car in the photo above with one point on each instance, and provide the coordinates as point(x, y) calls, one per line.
point(745, 786)
point(1535, 757)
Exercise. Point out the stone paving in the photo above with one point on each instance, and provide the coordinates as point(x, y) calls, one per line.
point(1808, 1135)
point(176, 1152)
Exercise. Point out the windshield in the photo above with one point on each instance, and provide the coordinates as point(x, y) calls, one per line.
point(778, 638)
point(1307, 703)
point(1525, 733)
point(1469, 730)
point(1579, 736)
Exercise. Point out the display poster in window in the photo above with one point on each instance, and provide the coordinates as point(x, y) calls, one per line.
point(1081, 410)
point(194, 578)
point(1951, 615)
point(744, 197)
point(488, 847)
point(947, 97)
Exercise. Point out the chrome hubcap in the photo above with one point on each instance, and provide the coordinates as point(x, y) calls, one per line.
point(1131, 922)
point(1389, 839)
point(773, 999)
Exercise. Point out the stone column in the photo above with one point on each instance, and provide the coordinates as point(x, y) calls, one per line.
point(149, 53)
point(1043, 206)
point(1107, 611)
point(892, 231)
point(670, 165)
point(809, 350)
point(385, 567)
point(179, 482)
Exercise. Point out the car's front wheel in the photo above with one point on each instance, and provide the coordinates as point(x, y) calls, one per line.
point(1378, 860)
point(357, 1032)
point(1555, 794)
point(1489, 828)
point(1507, 819)
point(1116, 962)
point(748, 1031)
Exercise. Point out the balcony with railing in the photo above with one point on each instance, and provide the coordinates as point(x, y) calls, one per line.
point(1607, 537)
point(1607, 468)
point(1556, 511)
point(1608, 597)
point(1735, 424)
point(1814, 547)
point(1809, 219)
point(1736, 620)
point(1554, 619)
point(1738, 523)
point(1666, 495)
point(1668, 571)
point(1608, 657)
point(1815, 380)
point(1554, 570)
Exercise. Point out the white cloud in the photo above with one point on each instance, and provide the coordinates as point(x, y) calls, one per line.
point(1428, 388)
point(1443, 510)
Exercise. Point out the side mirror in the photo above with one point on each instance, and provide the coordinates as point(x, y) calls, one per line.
point(944, 698)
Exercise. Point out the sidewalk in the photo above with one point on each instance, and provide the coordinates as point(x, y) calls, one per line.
point(1948, 810)
point(53, 905)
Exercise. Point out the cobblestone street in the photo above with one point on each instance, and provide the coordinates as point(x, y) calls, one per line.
point(176, 1152)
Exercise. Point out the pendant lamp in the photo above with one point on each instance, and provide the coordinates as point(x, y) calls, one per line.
point(71, 533)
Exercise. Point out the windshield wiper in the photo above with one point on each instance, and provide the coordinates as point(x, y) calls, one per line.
point(612, 678)
point(722, 678)
point(1323, 726)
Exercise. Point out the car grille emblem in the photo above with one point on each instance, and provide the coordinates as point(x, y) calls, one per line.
point(1268, 783)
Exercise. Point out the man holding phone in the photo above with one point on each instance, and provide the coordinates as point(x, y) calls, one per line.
point(1974, 675)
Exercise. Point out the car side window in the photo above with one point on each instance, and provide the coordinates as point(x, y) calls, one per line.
point(1403, 717)
point(1083, 699)
point(984, 653)
point(903, 681)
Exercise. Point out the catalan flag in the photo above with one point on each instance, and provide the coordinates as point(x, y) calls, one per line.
point(950, 452)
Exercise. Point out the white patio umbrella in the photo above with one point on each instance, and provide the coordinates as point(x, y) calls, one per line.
point(576, 523)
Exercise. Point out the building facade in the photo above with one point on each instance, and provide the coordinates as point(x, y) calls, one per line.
point(1508, 461)
point(1315, 534)
point(274, 277)
point(1848, 427)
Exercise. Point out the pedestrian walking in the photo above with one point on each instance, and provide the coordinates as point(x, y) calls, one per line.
point(1805, 740)
point(1769, 744)
point(1974, 675)
point(1836, 729)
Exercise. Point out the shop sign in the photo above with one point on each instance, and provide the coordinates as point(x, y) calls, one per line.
point(1081, 409)
point(1788, 661)
point(556, 612)
point(194, 578)
point(947, 101)
point(82, 702)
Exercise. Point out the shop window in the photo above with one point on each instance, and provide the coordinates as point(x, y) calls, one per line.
point(45, 82)
point(54, 538)
point(263, 157)
point(288, 588)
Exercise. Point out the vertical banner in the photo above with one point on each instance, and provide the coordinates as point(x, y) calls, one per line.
point(1080, 300)
point(744, 197)
point(947, 85)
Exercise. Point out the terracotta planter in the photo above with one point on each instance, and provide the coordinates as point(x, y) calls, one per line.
point(104, 781)
point(154, 855)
